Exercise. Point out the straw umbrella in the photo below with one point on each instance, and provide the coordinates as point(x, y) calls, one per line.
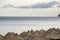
point(37, 38)
point(42, 32)
point(52, 34)
point(25, 35)
point(11, 36)
point(1, 37)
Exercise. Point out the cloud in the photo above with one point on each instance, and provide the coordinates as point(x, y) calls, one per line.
point(58, 6)
point(7, 6)
point(44, 5)
point(37, 5)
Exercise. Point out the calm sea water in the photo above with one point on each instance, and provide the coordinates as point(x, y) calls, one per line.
point(20, 24)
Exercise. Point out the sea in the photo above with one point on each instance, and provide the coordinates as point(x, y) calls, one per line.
point(20, 24)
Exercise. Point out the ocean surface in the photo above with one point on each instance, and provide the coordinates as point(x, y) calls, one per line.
point(20, 24)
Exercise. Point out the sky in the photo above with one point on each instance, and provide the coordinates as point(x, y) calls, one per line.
point(11, 11)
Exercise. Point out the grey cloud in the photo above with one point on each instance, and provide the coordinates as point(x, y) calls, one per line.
point(58, 6)
point(36, 5)
point(6, 6)
point(44, 5)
